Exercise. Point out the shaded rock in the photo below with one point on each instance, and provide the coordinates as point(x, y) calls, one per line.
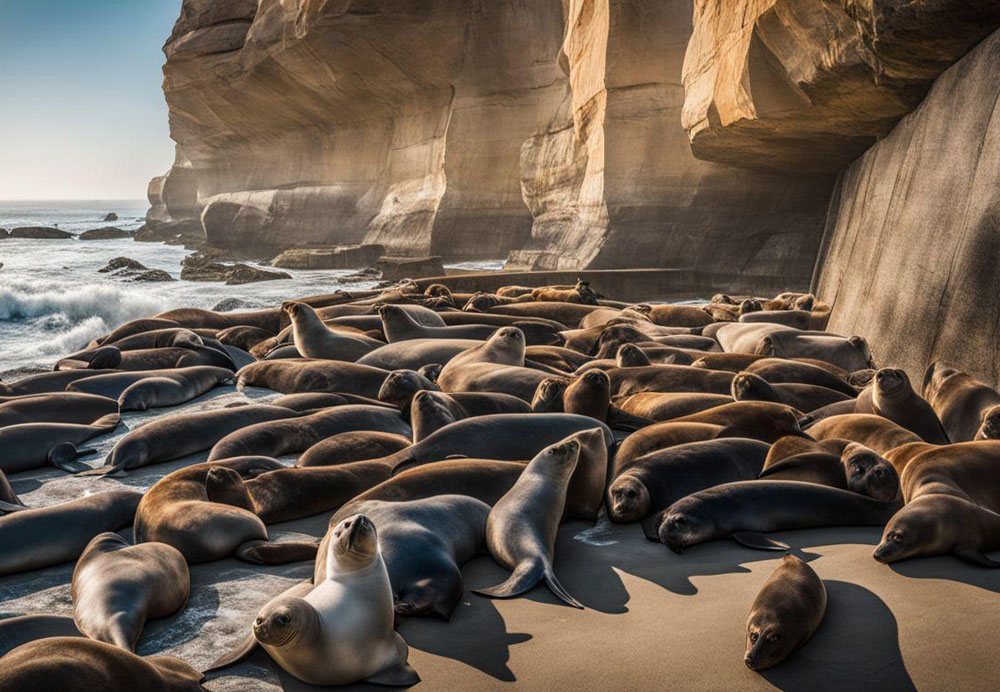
point(171, 231)
point(245, 274)
point(152, 275)
point(106, 233)
point(398, 268)
point(343, 257)
point(4, 233)
point(124, 263)
point(39, 233)
point(807, 85)
point(366, 274)
point(230, 304)
point(111, 216)
point(202, 267)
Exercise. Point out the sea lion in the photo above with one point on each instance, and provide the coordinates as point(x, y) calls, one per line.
point(59, 407)
point(799, 319)
point(194, 381)
point(398, 325)
point(309, 401)
point(875, 432)
point(558, 357)
point(568, 314)
point(497, 365)
point(669, 378)
point(730, 362)
point(313, 339)
point(203, 513)
point(674, 315)
point(243, 336)
point(117, 586)
point(429, 410)
point(139, 326)
point(967, 470)
point(792, 445)
point(581, 293)
point(941, 524)
point(414, 353)
point(164, 338)
point(46, 382)
point(786, 371)
point(802, 397)
point(786, 613)
point(298, 376)
point(172, 389)
point(168, 358)
point(280, 437)
point(21, 629)
point(182, 434)
point(339, 630)
point(100, 358)
point(86, 665)
point(505, 347)
point(400, 386)
point(960, 401)
point(664, 406)
point(745, 509)
point(857, 469)
point(30, 446)
point(9, 501)
point(269, 319)
point(352, 446)
point(424, 544)
point(649, 484)
point(891, 396)
point(36, 538)
point(548, 396)
point(521, 527)
point(776, 340)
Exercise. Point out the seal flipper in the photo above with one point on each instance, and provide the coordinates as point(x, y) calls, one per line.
point(63, 457)
point(241, 652)
point(524, 578)
point(758, 541)
point(976, 557)
point(558, 590)
point(176, 669)
point(269, 553)
point(622, 420)
point(397, 676)
point(10, 507)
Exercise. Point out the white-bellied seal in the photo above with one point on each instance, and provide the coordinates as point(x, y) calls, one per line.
point(802, 397)
point(35, 538)
point(960, 401)
point(340, 630)
point(86, 665)
point(649, 484)
point(786, 613)
point(59, 407)
point(279, 437)
point(424, 544)
point(33, 445)
point(875, 432)
point(295, 376)
point(521, 527)
point(313, 339)
point(205, 515)
point(346, 447)
point(116, 587)
point(182, 434)
point(891, 396)
point(746, 509)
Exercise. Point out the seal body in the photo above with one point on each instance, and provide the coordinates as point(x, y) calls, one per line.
point(61, 407)
point(891, 396)
point(960, 401)
point(873, 431)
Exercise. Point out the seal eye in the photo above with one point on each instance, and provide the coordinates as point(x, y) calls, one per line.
point(259, 621)
point(282, 619)
point(754, 637)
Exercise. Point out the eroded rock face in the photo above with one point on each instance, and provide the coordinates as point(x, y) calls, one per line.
point(808, 85)
point(911, 260)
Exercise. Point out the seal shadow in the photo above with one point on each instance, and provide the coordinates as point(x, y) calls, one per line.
point(857, 640)
point(950, 568)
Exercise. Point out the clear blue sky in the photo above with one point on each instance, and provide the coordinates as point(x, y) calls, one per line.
point(82, 114)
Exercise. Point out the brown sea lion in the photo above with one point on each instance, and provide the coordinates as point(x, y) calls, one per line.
point(857, 469)
point(145, 324)
point(664, 406)
point(891, 396)
point(878, 433)
point(46, 382)
point(313, 339)
point(352, 446)
point(774, 340)
point(785, 371)
point(669, 378)
point(730, 362)
point(59, 407)
point(960, 401)
point(941, 524)
point(666, 315)
point(243, 336)
point(802, 397)
point(295, 376)
point(430, 410)
point(414, 353)
point(786, 613)
point(799, 319)
point(30, 446)
point(269, 319)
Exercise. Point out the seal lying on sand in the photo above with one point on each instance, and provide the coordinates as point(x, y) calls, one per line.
point(60, 407)
point(34, 445)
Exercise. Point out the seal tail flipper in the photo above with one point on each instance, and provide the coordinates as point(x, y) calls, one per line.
point(758, 541)
point(976, 557)
point(10, 507)
point(558, 590)
point(110, 470)
point(400, 461)
point(269, 553)
point(240, 653)
point(402, 675)
point(524, 578)
point(622, 420)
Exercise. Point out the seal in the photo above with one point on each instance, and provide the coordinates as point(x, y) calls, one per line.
point(298, 376)
point(786, 613)
point(310, 401)
point(172, 389)
point(746, 509)
point(195, 318)
point(941, 524)
point(669, 378)
point(497, 365)
point(521, 527)
point(399, 325)
point(430, 410)
point(412, 354)
point(153, 358)
point(797, 319)
point(201, 512)
point(856, 468)
point(313, 339)
point(891, 396)
point(875, 432)
point(60, 407)
point(44, 536)
point(139, 326)
point(802, 397)
point(647, 485)
point(46, 382)
point(960, 401)
point(18, 630)
point(965, 470)
point(660, 406)
point(666, 315)
point(30, 446)
point(568, 314)
point(164, 338)
point(352, 446)
point(558, 357)
point(183, 434)
point(776, 340)
point(283, 436)
point(243, 336)
point(85, 665)
point(785, 371)
point(581, 294)
point(116, 587)
point(424, 544)
point(340, 630)
point(730, 362)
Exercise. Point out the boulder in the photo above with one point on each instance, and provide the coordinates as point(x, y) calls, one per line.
point(124, 263)
point(202, 267)
point(106, 233)
point(152, 275)
point(39, 233)
point(342, 257)
point(398, 268)
point(111, 216)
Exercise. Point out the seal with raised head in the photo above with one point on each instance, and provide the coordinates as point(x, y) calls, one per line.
point(313, 339)
point(116, 587)
point(86, 665)
point(802, 397)
point(340, 630)
point(430, 410)
point(786, 613)
point(33, 445)
point(497, 365)
point(424, 544)
point(521, 527)
point(891, 396)
point(36, 538)
point(961, 402)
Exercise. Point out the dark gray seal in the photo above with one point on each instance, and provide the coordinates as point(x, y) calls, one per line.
point(34, 445)
point(59, 407)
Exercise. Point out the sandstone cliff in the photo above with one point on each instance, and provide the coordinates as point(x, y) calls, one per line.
point(912, 257)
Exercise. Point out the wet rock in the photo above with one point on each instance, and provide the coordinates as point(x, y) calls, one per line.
point(106, 233)
point(124, 263)
point(152, 275)
point(111, 216)
point(338, 257)
point(202, 267)
point(40, 233)
point(398, 268)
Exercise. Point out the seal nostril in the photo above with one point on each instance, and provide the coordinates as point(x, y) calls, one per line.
point(748, 662)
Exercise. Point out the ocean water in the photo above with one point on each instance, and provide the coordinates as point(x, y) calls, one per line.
point(53, 300)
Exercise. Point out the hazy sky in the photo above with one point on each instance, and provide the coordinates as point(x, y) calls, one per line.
point(82, 114)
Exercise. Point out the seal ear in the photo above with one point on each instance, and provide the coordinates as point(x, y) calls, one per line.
point(976, 557)
point(402, 675)
point(758, 541)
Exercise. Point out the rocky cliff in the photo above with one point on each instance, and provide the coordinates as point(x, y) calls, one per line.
point(548, 130)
